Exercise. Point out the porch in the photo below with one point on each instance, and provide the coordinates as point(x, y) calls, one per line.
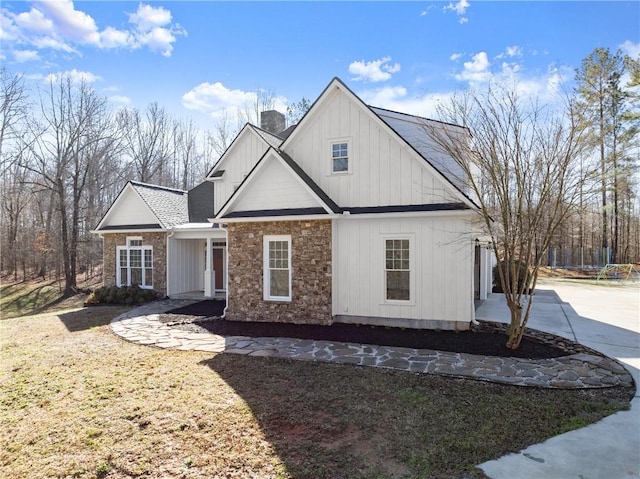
point(197, 263)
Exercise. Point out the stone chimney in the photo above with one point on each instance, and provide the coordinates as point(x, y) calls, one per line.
point(272, 121)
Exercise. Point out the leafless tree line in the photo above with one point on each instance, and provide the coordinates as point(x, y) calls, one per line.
point(65, 154)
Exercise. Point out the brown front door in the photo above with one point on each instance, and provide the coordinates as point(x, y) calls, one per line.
point(218, 262)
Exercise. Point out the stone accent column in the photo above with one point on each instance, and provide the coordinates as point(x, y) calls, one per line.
point(310, 262)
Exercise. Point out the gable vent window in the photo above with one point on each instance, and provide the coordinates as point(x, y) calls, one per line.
point(340, 157)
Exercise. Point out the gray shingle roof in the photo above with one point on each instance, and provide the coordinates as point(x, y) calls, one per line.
point(169, 205)
point(270, 138)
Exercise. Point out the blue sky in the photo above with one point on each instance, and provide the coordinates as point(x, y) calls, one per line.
point(199, 58)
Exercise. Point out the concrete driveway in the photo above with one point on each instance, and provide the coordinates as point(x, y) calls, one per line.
point(605, 318)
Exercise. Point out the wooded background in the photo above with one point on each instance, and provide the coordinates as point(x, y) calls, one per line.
point(66, 153)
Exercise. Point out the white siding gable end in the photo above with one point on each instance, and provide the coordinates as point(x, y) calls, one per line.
point(273, 185)
point(128, 209)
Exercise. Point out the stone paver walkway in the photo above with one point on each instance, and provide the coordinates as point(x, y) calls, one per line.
point(576, 371)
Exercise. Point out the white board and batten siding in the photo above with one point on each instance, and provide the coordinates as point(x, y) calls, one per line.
point(441, 276)
point(383, 170)
point(135, 213)
point(185, 265)
point(248, 148)
point(275, 187)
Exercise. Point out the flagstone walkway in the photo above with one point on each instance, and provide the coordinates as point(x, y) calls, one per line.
point(141, 325)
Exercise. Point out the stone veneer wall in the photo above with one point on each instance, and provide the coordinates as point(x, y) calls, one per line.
point(159, 243)
point(311, 281)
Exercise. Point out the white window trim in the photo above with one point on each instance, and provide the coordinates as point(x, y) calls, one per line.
point(334, 141)
point(127, 281)
point(265, 269)
point(412, 270)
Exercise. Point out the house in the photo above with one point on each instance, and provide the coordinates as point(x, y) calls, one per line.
point(351, 216)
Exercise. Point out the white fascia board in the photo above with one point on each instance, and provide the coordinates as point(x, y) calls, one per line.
point(407, 214)
point(129, 231)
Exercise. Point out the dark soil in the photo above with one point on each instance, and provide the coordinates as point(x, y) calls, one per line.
point(487, 339)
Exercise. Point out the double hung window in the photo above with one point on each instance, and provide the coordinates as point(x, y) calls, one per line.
point(397, 269)
point(135, 264)
point(277, 268)
point(340, 157)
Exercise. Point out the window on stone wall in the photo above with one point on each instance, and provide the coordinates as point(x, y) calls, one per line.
point(397, 269)
point(135, 264)
point(277, 268)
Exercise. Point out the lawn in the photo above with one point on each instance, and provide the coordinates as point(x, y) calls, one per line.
point(78, 402)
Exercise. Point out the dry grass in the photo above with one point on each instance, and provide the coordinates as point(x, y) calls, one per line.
point(77, 402)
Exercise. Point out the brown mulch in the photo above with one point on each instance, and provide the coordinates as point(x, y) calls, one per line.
point(488, 339)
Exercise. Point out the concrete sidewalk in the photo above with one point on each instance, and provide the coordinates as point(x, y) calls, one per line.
point(604, 318)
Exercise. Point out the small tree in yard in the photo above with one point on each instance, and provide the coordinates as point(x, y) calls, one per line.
point(520, 164)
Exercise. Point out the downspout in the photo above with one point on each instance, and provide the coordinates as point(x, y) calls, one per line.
point(171, 233)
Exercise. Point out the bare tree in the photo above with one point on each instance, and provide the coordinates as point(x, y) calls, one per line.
point(186, 155)
point(520, 162)
point(15, 197)
point(146, 141)
point(77, 136)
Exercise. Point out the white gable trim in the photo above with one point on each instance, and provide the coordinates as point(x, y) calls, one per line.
point(116, 205)
point(270, 155)
point(337, 84)
point(247, 129)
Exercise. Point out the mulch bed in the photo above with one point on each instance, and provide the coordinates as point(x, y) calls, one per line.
point(488, 339)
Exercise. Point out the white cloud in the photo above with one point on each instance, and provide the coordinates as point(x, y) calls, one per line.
point(113, 38)
point(476, 70)
point(373, 71)
point(58, 25)
point(70, 23)
point(147, 17)
point(399, 99)
point(150, 28)
point(158, 40)
point(22, 56)
point(120, 100)
point(514, 51)
point(455, 56)
point(630, 48)
point(460, 8)
point(215, 99)
point(74, 75)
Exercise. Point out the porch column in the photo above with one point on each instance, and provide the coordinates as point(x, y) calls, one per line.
point(209, 274)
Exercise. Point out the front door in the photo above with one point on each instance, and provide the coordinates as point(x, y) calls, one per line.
point(218, 267)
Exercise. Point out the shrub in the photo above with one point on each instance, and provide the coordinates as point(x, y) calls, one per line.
point(130, 295)
point(524, 276)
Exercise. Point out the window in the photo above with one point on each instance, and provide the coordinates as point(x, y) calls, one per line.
point(340, 157)
point(135, 264)
point(397, 270)
point(277, 268)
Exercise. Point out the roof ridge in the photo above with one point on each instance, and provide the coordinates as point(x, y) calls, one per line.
point(262, 130)
point(157, 187)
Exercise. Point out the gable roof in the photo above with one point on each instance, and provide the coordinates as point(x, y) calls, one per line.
point(169, 206)
point(269, 138)
point(322, 203)
point(408, 129)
